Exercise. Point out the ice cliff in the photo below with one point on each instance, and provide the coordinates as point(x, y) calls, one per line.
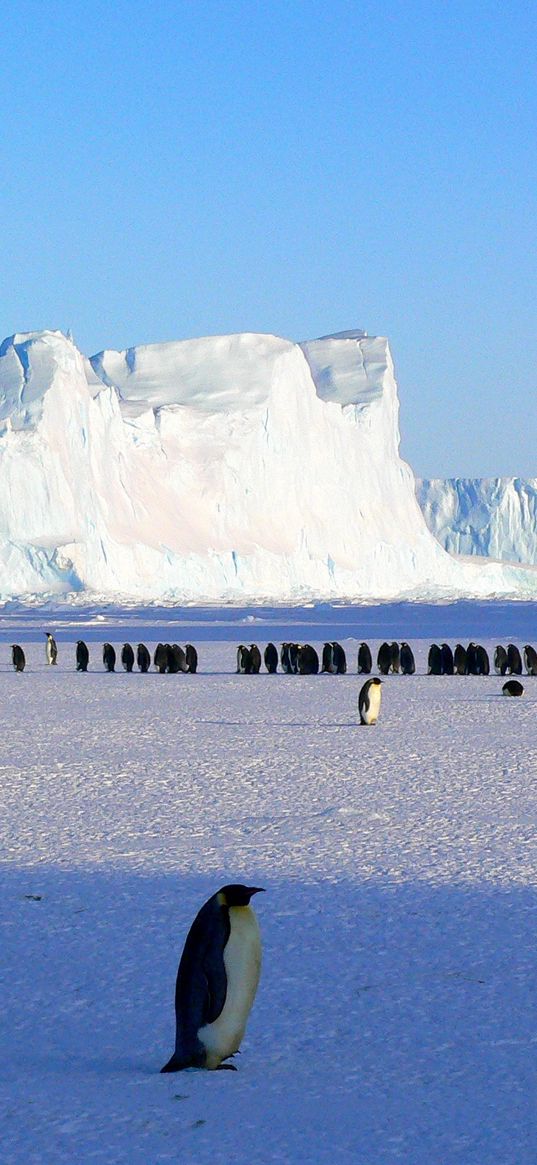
point(231, 467)
point(495, 517)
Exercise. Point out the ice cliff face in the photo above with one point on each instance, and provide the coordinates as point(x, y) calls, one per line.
point(239, 466)
point(495, 517)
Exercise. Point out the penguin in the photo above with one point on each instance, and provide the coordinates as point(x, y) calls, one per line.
point(512, 688)
point(176, 659)
point(308, 660)
point(514, 661)
point(328, 658)
point(289, 658)
point(109, 657)
point(396, 658)
point(51, 648)
point(255, 659)
point(369, 701)
point(483, 662)
point(339, 659)
point(446, 657)
point(384, 658)
point(365, 662)
point(270, 658)
point(18, 657)
point(216, 981)
point(143, 658)
point(82, 656)
point(160, 658)
point(244, 661)
point(459, 660)
point(191, 658)
point(471, 660)
point(408, 663)
point(500, 660)
point(530, 659)
point(127, 657)
point(434, 661)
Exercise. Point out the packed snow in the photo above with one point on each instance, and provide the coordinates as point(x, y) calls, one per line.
point(396, 1014)
point(495, 517)
point(231, 467)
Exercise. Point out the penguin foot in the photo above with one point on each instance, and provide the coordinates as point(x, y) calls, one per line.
point(227, 1068)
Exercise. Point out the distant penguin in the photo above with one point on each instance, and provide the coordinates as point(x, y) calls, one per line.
point(482, 660)
point(143, 658)
point(514, 660)
point(446, 656)
point(127, 657)
point(396, 658)
point(216, 981)
point(369, 701)
point(500, 660)
point(51, 648)
point(384, 658)
point(255, 659)
point(270, 658)
point(109, 657)
point(176, 659)
point(365, 661)
point(408, 663)
point(434, 660)
point(82, 656)
point(471, 660)
point(327, 663)
point(289, 658)
point(308, 660)
point(339, 659)
point(530, 660)
point(459, 660)
point(18, 657)
point(244, 660)
point(160, 658)
point(512, 688)
point(191, 658)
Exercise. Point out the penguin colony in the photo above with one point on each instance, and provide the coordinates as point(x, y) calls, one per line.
point(392, 659)
point(167, 657)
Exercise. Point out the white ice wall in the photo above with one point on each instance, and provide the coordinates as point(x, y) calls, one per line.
point(229, 467)
point(495, 517)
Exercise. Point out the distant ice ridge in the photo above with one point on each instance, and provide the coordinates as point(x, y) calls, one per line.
point(231, 467)
point(495, 517)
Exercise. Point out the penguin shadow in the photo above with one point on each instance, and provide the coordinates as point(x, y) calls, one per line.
point(284, 723)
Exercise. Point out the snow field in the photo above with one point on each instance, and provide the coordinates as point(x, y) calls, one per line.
point(395, 1019)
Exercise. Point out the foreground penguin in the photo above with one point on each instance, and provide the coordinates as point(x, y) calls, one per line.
point(216, 981)
point(369, 701)
point(51, 648)
point(513, 688)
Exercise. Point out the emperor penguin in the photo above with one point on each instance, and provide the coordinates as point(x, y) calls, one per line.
point(82, 655)
point(530, 659)
point(216, 981)
point(51, 648)
point(109, 657)
point(513, 688)
point(18, 657)
point(143, 657)
point(127, 657)
point(369, 701)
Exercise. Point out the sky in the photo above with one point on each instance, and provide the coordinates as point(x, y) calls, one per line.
point(183, 169)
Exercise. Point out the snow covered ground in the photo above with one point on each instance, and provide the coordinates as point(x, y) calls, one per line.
point(396, 1015)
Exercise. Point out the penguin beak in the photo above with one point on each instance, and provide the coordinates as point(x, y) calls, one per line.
point(256, 890)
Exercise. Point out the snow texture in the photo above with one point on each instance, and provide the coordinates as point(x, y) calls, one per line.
point(495, 517)
point(229, 467)
point(396, 1015)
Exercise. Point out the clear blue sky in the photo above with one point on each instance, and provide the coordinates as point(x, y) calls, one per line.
point(181, 169)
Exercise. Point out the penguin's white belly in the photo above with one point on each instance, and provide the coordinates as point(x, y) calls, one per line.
point(371, 712)
point(242, 960)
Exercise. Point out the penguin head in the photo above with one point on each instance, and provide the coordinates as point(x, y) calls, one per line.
point(237, 895)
